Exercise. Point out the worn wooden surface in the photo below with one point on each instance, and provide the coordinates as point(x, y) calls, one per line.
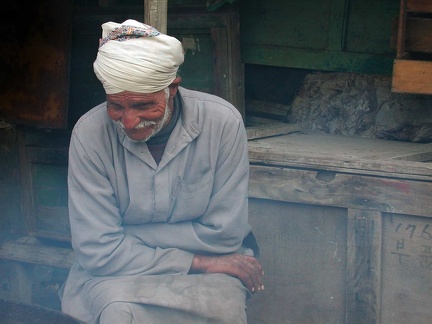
point(303, 252)
point(363, 276)
point(413, 35)
point(265, 108)
point(155, 14)
point(406, 269)
point(412, 76)
point(419, 35)
point(271, 129)
point(33, 253)
point(419, 6)
point(44, 189)
point(345, 154)
point(341, 189)
point(382, 191)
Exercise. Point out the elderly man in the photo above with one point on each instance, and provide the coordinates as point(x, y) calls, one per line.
point(158, 182)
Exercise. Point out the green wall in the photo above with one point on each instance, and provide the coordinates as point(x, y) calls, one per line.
point(329, 35)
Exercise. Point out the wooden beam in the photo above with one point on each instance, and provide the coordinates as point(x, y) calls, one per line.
point(418, 36)
point(274, 129)
point(400, 45)
point(420, 6)
point(155, 14)
point(62, 258)
point(326, 188)
point(411, 76)
point(258, 107)
point(363, 281)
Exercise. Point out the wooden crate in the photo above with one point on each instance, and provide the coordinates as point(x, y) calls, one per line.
point(345, 229)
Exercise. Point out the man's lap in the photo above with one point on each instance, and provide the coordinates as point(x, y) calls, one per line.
point(200, 298)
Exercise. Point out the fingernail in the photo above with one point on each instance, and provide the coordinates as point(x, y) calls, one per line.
point(262, 287)
point(253, 289)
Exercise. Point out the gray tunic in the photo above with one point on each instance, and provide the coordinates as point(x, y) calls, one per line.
point(132, 218)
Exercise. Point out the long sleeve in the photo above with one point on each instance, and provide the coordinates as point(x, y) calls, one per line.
point(98, 238)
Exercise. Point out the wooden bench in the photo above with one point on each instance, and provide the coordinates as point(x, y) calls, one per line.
point(26, 252)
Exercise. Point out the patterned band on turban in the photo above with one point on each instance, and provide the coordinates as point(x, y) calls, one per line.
point(136, 57)
point(129, 32)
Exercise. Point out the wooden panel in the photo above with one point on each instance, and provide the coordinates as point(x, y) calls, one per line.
point(44, 185)
point(410, 76)
point(418, 36)
point(420, 6)
point(224, 57)
point(266, 108)
point(341, 190)
point(281, 23)
point(364, 236)
point(406, 269)
point(62, 258)
point(155, 14)
point(303, 253)
point(34, 55)
point(273, 129)
point(335, 35)
point(344, 154)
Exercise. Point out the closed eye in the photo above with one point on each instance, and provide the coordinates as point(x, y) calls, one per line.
point(142, 106)
point(115, 106)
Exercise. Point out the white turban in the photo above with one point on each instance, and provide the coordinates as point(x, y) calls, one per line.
point(135, 57)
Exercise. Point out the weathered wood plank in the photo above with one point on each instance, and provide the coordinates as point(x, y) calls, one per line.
point(37, 254)
point(363, 281)
point(258, 107)
point(406, 269)
point(256, 121)
point(304, 259)
point(26, 184)
point(411, 76)
point(401, 32)
point(418, 36)
point(344, 154)
point(155, 14)
point(20, 278)
point(274, 129)
point(421, 6)
point(341, 190)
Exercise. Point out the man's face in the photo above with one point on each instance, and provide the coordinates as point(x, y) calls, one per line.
point(140, 115)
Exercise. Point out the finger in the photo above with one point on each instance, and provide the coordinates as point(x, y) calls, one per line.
point(250, 273)
point(256, 269)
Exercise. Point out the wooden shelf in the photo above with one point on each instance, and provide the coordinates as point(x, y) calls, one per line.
point(414, 41)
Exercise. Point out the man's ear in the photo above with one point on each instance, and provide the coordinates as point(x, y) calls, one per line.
point(173, 87)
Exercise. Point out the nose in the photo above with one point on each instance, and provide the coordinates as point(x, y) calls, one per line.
point(130, 119)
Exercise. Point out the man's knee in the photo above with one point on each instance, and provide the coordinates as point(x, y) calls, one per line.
point(117, 312)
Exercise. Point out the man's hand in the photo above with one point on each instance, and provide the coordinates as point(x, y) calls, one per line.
point(244, 267)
